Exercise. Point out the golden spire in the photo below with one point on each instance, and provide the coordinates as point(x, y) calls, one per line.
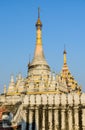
point(39, 49)
point(39, 58)
point(38, 12)
point(64, 53)
point(65, 69)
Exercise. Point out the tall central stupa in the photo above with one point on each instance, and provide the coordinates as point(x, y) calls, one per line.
point(38, 67)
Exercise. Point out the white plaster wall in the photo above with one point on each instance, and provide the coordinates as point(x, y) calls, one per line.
point(26, 100)
point(57, 99)
point(70, 99)
point(32, 99)
point(76, 99)
point(50, 99)
point(63, 99)
point(38, 99)
point(44, 99)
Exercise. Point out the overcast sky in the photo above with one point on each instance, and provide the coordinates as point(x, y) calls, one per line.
point(63, 23)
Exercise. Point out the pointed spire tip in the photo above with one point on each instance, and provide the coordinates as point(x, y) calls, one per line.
point(38, 12)
point(65, 49)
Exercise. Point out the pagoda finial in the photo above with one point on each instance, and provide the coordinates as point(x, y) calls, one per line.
point(38, 23)
point(65, 59)
point(38, 12)
point(64, 49)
